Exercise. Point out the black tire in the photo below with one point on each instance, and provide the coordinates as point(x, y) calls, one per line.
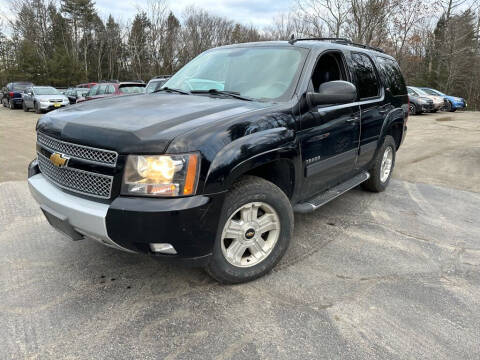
point(37, 108)
point(374, 183)
point(448, 106)
point(251, 189)
point(412, 109)
point(453, 110)
point(24, 106)
point(434, 111)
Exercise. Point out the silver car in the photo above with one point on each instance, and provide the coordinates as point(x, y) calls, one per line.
point(43, 98)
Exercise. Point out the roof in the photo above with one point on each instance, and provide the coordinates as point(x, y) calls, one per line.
point(315, 43)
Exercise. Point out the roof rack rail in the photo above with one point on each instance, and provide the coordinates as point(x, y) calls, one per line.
point(337, 41)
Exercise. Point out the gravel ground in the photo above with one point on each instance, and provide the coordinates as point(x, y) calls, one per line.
point(368, 276)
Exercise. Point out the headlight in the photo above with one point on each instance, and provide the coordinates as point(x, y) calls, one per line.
point(161, 175)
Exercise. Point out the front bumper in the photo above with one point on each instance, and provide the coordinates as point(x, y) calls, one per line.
point(427, 107)
point(50, 106)
point(132, 223)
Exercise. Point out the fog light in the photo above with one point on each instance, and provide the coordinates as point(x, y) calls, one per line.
point(163, 248)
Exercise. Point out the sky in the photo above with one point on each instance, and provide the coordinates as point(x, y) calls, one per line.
point(247, 12)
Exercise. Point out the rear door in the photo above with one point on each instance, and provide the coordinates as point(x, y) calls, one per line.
point(373, 107)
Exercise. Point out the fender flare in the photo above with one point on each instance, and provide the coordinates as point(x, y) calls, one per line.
point(396, 116)
point(247, 153)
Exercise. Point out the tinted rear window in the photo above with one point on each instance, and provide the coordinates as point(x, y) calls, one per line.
point(392, 75)
point(20, 86)
point(367, 83)
point(132, 89)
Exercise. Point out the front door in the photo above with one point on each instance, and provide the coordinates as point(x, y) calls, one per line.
point(329, 136)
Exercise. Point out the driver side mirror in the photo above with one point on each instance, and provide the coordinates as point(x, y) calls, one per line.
point(333, 93)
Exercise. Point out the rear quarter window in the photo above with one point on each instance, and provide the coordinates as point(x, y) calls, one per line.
point(367, 82)
point(392, 75)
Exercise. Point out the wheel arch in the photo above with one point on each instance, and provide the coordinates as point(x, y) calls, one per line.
point(393, 126)
point(269, 154)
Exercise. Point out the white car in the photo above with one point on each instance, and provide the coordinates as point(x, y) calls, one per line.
point(438, 101)
point(43, 99)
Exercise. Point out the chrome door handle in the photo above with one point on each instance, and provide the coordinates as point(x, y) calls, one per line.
point(353, 119)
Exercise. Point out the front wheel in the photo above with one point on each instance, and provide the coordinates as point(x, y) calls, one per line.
point(37, 108)
point(412, 109)
point(382, 169)
point(255, 229)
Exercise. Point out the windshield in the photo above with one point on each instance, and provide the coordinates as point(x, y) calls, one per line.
point(419, 91)
point(431, 92)
point(255, 72)
point(132, 89)
point(46, 91)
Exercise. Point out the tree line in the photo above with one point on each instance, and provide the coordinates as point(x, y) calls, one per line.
point(66, 42)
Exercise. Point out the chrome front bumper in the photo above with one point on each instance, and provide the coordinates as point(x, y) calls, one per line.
point(86, 217)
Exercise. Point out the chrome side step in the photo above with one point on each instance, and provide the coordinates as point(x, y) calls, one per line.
point(327, 196)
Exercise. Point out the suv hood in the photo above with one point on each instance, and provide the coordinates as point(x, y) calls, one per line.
point(59, 97)
point(139, 123)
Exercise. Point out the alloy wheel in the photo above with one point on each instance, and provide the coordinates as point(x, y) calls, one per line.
point(250, 234)
point(386, 165)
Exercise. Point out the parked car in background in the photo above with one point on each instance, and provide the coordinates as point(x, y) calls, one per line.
point(438, 102)
point(451, 103)
point(12, 94)
point(75, 94)
point(156, 83)
point(87, 85)
point(114, 89)
point(419, 104)
point(43, 98)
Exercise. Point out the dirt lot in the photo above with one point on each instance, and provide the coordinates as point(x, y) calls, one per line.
point(369, 276)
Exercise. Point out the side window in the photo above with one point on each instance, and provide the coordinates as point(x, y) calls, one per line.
point(101, 90)
point(110, 89)
point(93, 91)
point(329, 67)
point(392, 75)
point(367, 82)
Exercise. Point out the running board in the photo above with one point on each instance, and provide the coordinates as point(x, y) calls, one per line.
point(327, 196)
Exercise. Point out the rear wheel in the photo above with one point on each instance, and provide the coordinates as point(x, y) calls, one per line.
point(255, 229)
point(382, 169)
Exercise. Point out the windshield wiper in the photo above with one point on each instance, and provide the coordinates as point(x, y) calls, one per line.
point(167, 89)
point(233, 94)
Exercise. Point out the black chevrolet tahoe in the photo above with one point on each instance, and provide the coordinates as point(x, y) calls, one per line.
point(210, 168)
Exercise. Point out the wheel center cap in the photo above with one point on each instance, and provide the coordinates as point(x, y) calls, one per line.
point(249, 234)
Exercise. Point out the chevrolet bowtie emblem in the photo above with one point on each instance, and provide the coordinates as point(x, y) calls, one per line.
point(59, 160)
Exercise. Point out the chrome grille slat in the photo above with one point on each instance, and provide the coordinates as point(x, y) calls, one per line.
point(76, 180)
point(90, 154)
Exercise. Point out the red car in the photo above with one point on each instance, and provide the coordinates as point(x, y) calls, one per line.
point(87, 85)
point(102, 90)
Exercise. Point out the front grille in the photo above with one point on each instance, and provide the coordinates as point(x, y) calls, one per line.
point(56, 101)
point(99, 156)
point(76, 180)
